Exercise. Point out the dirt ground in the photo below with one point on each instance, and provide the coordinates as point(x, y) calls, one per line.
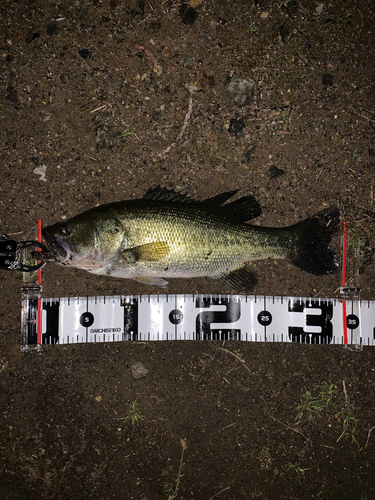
point(94, 98)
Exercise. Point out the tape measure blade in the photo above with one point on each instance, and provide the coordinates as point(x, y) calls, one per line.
point(367, 322)
point(353, 322)
point(276, 329)
point(50, 321)
point(254, 317)
point(70, 329)
point(199, 317)
point(105, 319)
point(183, 316)
point(338, 323)
point(151, 318)
point(312, 320)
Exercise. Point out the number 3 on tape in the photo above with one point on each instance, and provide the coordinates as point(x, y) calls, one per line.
point(318, 327)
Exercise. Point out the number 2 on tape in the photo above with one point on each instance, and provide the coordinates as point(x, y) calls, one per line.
point(204, 319)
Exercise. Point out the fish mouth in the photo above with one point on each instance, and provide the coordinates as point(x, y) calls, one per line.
point(60, 249)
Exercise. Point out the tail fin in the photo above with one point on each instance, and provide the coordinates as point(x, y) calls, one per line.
point(311, 251)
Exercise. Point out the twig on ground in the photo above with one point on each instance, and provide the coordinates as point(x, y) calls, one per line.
point(100, 107)
point(219, 492)
point(372, 195)
point(341, 435)
point(187, 118)
point(143, 20)
point(290, 428)
point(237, 357)
point(179, 475)
point(368, 436)
point(363, 116)
point(150, 56)
point(230, 425)
point(344, 388)
point(368, 212)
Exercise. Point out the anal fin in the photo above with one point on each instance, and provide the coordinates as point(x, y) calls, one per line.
point(241, 280)
point(149, 280)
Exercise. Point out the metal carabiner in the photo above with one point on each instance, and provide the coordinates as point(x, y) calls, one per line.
point(10, 254)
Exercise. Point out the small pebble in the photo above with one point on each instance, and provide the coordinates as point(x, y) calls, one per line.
point(292, 6)
point(154, 27)
point(31, 37)
point(327, 79)
point(248, 154)
point(85, 53)
point(139, 370)
point(284, 33)
point(240, 90)
point(42, 172)
point(275, 172)
point(319, 8)
point(188, 14)
point(52, 29)
point(236, 127)
point(188, 61)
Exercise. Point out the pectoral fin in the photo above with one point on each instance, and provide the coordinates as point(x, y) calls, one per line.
point(151, 281)
point(150, 252)
point(241, 280)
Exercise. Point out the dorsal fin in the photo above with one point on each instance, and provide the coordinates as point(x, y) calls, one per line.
point(163, 194)
point(221, 198)
point(245, 208)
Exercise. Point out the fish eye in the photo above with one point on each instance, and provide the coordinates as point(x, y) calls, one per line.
point(64, 230)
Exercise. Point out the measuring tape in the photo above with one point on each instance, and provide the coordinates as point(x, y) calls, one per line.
point(72, 320)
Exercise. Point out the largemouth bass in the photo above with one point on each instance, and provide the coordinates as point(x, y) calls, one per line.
point(169, 235)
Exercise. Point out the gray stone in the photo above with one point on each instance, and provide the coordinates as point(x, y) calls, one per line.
point(239, 90)
point(139, 370)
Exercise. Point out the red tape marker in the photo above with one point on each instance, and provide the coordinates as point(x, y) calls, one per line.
point(344, 241)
